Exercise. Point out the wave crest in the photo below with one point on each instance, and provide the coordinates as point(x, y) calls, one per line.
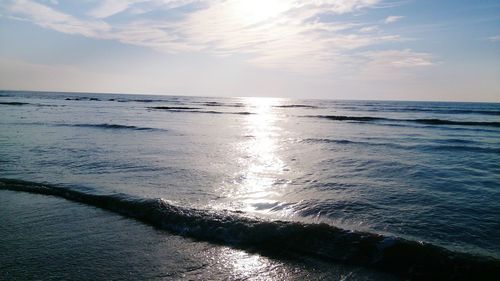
point(416, 260)
point(420, 121)
point(111, 126)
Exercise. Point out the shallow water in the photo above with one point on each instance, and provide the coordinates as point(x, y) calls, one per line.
point(417, 171)
point(46, 238)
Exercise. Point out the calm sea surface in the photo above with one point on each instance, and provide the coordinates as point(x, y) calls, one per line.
point(249, 173)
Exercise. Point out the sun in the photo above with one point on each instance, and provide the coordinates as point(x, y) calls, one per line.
point(256, 11)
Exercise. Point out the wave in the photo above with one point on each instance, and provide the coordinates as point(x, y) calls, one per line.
point(467, 148)
point(449, 122)
point(415, 260)
point(198, 110)
point(174, 107)
point(214, 103)
point(349, 118)
point(419, 121)
point(455, 141)
point(111, 126)
point(446, 111)
point(360, 143)
point(421, 109)
point(125, 100)
point(83, 99)
point(296, 106)
point(323, 140)
point(441, 146)
point(223, 112)
point(14, 103)
point(147, 100)
point(456, 111)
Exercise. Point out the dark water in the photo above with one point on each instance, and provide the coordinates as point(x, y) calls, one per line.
point(408, 188)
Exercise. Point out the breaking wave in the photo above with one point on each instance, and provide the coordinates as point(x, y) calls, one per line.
point(414, 260)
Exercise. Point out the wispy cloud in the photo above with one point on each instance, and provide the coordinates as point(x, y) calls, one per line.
point(390, 64)
point(494, 39)
point(392, 19)
point(49, 18)
point(285, 34)
point(368, 29)
point(110, 7)
point(52, 2)
point(400, 59)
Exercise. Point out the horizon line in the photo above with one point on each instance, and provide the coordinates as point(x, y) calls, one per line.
point(215, 96)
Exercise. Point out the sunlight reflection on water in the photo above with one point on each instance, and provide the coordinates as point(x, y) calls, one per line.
point(256, 185)
point(243, 264)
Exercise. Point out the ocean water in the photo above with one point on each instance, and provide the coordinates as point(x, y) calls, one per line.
point(311, 189)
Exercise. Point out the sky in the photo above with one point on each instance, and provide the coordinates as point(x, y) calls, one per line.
point(446, 50)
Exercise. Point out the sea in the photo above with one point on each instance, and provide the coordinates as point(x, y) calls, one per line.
point(140, 187)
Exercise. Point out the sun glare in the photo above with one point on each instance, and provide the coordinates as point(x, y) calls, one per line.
point(257, 180)
point(255, 11)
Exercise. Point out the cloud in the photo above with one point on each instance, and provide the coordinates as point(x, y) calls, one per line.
point(110, 7)
point(368, 29)
point(51, 2)
point(494, 39)
point(283, 34)
point(49, 18)
point(391, 64)
point(392, 19)
point(400, 59)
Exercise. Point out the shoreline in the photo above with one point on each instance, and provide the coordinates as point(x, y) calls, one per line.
point(59, 239)
point(394, 255)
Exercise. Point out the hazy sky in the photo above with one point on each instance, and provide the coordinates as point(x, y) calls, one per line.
point(340, 49)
